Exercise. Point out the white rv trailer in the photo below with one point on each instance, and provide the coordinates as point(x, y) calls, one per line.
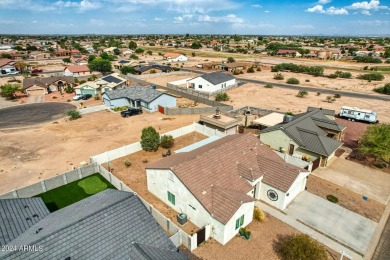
point(354, 113)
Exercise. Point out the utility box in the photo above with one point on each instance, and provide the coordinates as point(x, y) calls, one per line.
point(182, 218)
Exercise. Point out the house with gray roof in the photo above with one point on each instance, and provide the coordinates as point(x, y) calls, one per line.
point(109, 225)
point(146, 98)
point(218, 182)
point(311, 136)
point(212, 82)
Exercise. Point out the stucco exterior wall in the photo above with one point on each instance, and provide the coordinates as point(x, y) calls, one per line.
point(297, 187)
point(115, 102)
point(279, 203)
point(277, 139)
point(207, 86)
point(164, 101)
point(312, 156)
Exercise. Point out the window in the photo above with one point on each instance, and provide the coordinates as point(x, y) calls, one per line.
point(171, 198)
point(240, 222)
point(367, 116)
point(200, 86)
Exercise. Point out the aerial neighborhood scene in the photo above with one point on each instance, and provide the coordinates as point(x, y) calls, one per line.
point(200, 130)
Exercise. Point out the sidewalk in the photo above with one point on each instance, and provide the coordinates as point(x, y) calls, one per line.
point(307, 230)
point(93, 109)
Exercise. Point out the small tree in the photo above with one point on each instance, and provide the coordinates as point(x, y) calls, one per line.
point(278, 76)
point(250, 70)
point(150, 139)
point(132, 45)
point(101, 65)
point(66, 60)
point(293, 81)
point(330, 99)
point(116, 51)
point(230, 60)
point(68, 88)
point(193, 54)
point(73, 114)
point(149, 52)
point(127, 162)
point(302, 247)
point(8, 90)
point(258, 215)
point(167, 141)
point(222, 96)
point(139, 50)
point(383, 90)
point(376, 141)
point(127, 69)
point(134, 57)
point(302, 93)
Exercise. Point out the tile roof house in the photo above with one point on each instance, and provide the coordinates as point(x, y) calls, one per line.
point(219, 182)
point(109, 225)
point(312, 135)
point(79, 59)
point(41, 86)
point(77, 70)
point(101, 85)
point(289, 53)
point(174, 57)
point(212, 82)
point(147, 98)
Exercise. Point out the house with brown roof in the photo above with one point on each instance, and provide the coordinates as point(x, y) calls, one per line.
point(218, 183)
point(79, 59)
point(42, 86)
point(7, 66)
point(77, 70)
point(174, 57)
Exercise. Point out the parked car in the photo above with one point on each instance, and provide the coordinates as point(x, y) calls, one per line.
point(82, 96)
point(36, 71)
point(131, 111)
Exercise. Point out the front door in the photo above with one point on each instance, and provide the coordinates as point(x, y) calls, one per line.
point(291, 149)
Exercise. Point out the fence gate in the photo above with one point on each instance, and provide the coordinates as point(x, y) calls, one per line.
point(201, 236)
point(161, 109)
point(316, 164)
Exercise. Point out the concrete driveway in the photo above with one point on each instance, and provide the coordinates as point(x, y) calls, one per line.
point(361, 179)
point(35, 99)
point(333, 220)
point(93, 109)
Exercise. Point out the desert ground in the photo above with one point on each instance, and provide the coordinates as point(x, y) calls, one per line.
point(40, 152)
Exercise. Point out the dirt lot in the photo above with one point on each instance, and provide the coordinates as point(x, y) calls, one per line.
point(135, 175)
point(28, 155)
point(370, 209)
point(169, 78)
point(286, 100)
point(353, 132)
point(261, 245)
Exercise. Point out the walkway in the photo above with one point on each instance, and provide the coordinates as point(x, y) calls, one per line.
point(307, 230)
point(93, 109)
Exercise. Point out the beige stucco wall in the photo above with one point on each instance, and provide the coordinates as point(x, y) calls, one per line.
point(277, 139)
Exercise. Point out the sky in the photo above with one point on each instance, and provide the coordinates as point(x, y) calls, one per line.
point(252, 17)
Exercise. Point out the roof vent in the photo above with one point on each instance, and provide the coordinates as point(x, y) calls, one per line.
point(287, 118)
point(35, 216)
point(28, 218)
point(217, 114)
point(26, 206)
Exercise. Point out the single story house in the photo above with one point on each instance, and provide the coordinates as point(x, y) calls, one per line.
point(288, 53)
point(42, 86)
point(79, 59)
point(121, 63)
point(150, 69)
point(311, 135)
point(146, 98)
point(7, 66)
point(77, 70)
point(217, 184)
point(39, 55)
point(212, 82)
point(174, 57)
point(101, 85)
point(92, 228)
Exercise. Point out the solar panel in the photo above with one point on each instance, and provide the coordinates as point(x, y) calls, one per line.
point(110, 79)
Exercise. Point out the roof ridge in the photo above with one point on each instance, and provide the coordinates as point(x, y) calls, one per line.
point(307, 130)
point(298, 119)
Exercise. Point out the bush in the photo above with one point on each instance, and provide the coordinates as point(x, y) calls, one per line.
point(379, 165)
point(318, 93)
point(258, 69)
point(383, 90)
point(73, 114)
point(127, 163)
point(371, 76)
point(313, 70)
point(367, 59)
point(97, 97)
point(150, 139)
point(250, 70)
point(236, 72)
point(330, 99)
point(337, 96)
point(302, 93)
point(302, 247)
point(69, 88)
point(269, 86)
point(258, 215)
point(332, 76)
point(222, 96)
point(307, 80)
point(293, 81)
point(332, 198)
point(167, 141)
point(279, 76)
point(345, 75)
point(34, 75)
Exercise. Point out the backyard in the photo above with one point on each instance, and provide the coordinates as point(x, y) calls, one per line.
point(70, 193)
point(134, 176)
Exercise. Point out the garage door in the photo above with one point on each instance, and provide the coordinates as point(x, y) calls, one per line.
point(88, 91)
point(36, 92)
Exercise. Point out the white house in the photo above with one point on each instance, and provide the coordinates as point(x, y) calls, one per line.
point(138, 96)
point(217, 184)
point(212, 82)
point(7, 66)
point(174, 57)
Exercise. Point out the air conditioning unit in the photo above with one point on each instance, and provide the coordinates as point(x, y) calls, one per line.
point(182, 218)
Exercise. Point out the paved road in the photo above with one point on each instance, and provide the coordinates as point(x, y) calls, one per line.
point(32, 114)
point(44, 72)
point(313, 89)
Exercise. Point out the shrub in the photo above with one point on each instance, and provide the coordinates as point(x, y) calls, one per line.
point(302, 247)
point(73, 114)
point(337, 96)
point(222, 96)
point(145, 161)
point(96, 97)
point(302, 93)
point(54, 97)
point(127, 163)
point(258, 69)
point(269, 86)
point(345, 75)
point(279, 76)
point(68, 100)
point(33, 74)
point(293, 81)
point(307, 80)
point(365, 68)
point(332, 76)
point(371, 76)
point(167, 141)
point(250, 70)
point(68, 88)
point(150, 139)
point(330, 99)
point(318, 93)
point(153, 71)
point(258, 215)
point(367, 59)
point(332, 198)
point(236, 72)
point(311, 70)
point(383, 90)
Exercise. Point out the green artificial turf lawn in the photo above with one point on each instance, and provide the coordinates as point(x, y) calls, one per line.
point(75, 191)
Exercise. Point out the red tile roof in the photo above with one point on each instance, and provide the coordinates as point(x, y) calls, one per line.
point(287, 51)
point(217, 174)
point(5, 62)
point(171, 55)
point(78, 68)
